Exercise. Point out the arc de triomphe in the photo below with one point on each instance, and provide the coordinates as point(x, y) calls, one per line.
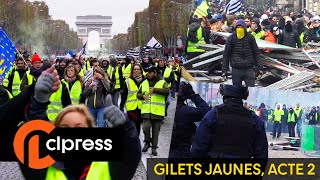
point(101, 24)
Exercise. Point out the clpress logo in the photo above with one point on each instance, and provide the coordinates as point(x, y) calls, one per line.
point(39, 144)
point(26, 144)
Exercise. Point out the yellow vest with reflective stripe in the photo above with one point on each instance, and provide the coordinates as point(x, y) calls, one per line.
point(16, 84)
point(291, 117)
point(97, 171)
point(126, 70)
point(277, 115)
point(192, 47)
point(75, 92)
point(157, 103)
point(55, 105)
point(167, 73)
point(132, 101)
point(110, 72)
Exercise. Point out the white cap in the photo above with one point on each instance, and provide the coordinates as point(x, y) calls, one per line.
point(264, 16)
point(288, 19)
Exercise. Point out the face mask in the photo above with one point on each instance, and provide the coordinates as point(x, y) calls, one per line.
point(240, 32)
point(288, 27)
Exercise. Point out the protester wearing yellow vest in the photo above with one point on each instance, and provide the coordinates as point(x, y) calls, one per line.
point(69, 92)
point(129, 96)
point(116, 78)
point(78, 116)
point(298, 112)
point(153, 92)
point(255, 29)
point(126, 68)
point(13, 79)
point(32, 75)
point(195, 37)
point(291, 122)
point(277, 120)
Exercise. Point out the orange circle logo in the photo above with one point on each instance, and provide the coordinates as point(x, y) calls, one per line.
point(31, 158)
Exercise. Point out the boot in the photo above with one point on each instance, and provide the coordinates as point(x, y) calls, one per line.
point(146, 147)
point(154, 152)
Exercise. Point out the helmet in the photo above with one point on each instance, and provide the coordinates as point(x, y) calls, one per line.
point(236, 91)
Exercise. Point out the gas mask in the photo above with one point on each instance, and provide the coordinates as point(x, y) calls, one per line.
point(240, 32)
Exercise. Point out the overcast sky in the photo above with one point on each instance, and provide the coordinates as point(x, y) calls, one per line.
point(122, 11)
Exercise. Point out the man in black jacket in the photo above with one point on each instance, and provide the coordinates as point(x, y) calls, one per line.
point(184, 128)
point(289, 36)
point(242, 53)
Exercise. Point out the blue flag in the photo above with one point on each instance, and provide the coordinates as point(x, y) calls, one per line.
point(7, 53)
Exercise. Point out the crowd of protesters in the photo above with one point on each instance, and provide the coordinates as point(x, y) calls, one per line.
point(140, 92)
point(292, 29)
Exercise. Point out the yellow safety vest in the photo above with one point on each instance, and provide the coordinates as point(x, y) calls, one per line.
point(277, 115)
point(298, 111)
point(55, 105)
point(30, 78)
point(258, 35)
point(156, 105)
point(81, 73)
point(270, 116)
point(97, 171)
point(87, 66)
point(110, 72)
point(126, 71)
point(291, 117)
point(132, 101)
point(16, 84)
point(301, 38)
point(167, 73)
point(144, 73)
point(75, 92)
point(192, 47)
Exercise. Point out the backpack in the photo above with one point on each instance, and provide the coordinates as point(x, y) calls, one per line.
point(193, 35)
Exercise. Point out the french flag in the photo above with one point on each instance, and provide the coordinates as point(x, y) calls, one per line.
point(83, 50)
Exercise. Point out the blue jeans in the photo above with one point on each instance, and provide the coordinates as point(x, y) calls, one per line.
point(97, 114)
point(299, 122)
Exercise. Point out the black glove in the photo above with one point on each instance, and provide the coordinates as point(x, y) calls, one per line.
point(188, 91)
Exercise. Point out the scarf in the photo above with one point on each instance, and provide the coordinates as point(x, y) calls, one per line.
point(138, 78)
point(68, 79)
point(34, 72)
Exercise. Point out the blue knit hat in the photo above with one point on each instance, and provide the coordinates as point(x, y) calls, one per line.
point(242, 23)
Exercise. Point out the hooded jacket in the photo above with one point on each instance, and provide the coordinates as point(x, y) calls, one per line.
point(241, 53)
point(290, 39)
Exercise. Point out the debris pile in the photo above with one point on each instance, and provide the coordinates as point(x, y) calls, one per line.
point(286, 68)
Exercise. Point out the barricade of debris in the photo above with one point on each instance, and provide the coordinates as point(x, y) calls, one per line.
point(285, 67)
